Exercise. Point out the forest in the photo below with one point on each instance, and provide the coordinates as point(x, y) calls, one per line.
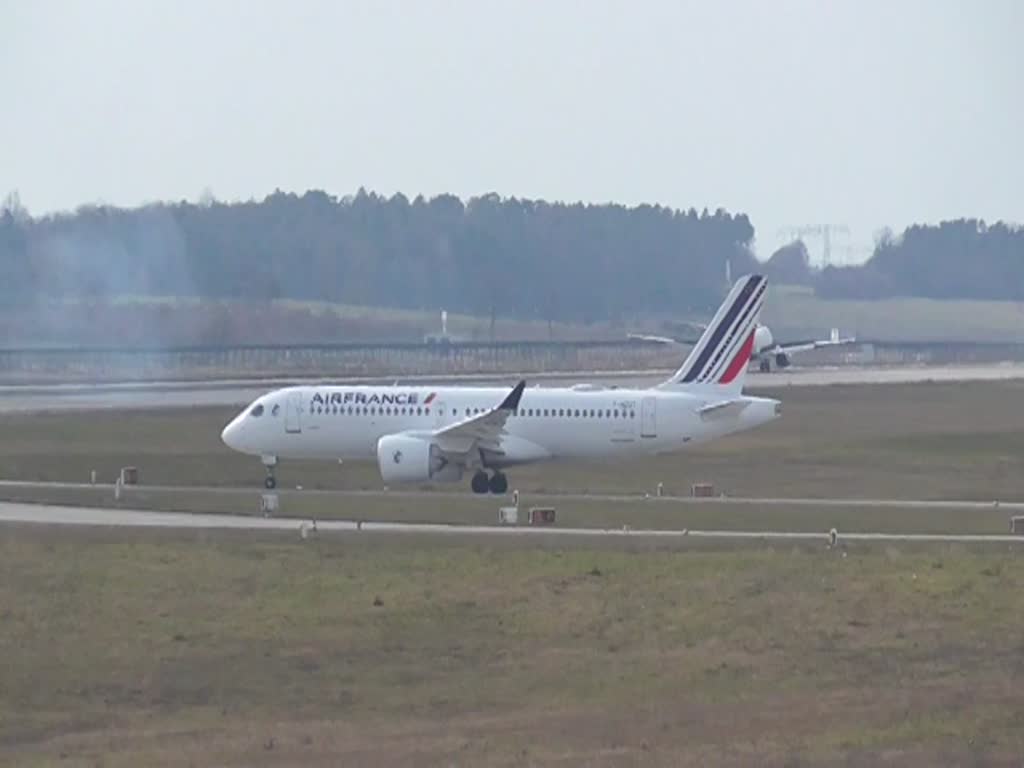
point(488, 255)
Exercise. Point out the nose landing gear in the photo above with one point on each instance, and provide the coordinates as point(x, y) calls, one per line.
point(496, 483)
point(270, 483)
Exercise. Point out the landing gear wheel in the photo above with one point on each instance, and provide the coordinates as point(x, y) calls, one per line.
point(498, 484)
point(480, 482)
point(766, 366)
point(269, 462)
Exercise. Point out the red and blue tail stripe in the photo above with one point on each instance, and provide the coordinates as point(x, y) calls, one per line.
point(723, 351)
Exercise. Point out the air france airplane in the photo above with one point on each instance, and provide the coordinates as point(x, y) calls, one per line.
point(433, 434)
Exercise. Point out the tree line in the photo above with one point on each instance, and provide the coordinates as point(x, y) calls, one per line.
point(488, 255)
point(508, 256)
point(962, 259)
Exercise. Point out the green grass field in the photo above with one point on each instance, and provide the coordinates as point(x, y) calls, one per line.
point(145, 648)
point(903, 319)
point(128, 648)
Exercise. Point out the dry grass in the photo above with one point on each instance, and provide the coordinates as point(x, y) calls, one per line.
point(218, 649)
point(172, 321)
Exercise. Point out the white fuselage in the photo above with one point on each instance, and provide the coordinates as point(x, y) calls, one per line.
point(341, 422)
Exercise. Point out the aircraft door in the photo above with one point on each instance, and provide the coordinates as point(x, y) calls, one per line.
point(439, 413)
point(648, 420)
point(293, 413)
point(624, 429)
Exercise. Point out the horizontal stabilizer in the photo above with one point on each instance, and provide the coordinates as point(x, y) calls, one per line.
point(723, 409)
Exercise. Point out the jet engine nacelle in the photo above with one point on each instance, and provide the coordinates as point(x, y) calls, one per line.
point(407, 459)
point(782, 360)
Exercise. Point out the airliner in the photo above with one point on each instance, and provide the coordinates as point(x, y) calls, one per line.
point(767, 354)
point(434, 434)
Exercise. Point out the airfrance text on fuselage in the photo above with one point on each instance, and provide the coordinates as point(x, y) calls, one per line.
point(370, 398)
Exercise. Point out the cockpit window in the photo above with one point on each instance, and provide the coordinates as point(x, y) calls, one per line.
point(274, 411)
point(257, 411)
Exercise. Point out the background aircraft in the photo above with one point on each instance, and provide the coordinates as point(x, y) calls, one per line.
point(766, 353)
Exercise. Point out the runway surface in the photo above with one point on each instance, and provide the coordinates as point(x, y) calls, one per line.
point(81, 516)
point(236, 392)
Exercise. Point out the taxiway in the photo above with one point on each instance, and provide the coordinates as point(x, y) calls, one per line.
point(128, 518)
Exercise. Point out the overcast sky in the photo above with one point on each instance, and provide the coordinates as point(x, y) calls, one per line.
point(866, 113)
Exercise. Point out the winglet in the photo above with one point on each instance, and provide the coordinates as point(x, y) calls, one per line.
point(511, 402)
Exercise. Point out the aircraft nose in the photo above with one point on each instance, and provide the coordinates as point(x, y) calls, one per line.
point(230, 435)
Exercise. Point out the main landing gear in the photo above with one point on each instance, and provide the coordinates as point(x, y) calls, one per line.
point(496, 483)
point(270, 462)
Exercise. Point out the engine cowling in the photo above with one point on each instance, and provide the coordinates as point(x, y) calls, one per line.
point(407, 459)
point(782, 360)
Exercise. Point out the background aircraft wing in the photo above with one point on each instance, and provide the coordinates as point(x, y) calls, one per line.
point(481, 430)
point(681, 331)
point(655, 339)
point(792, 346)
point(834, 340)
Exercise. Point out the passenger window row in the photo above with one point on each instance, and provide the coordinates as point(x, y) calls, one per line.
point(372, 410)
point(576, 413)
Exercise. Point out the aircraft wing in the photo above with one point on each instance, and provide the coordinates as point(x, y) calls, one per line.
point(792, 346)
point(686, 341)
point(834, 340)
point(482, 430)
point(655, 339)
point(661, 339)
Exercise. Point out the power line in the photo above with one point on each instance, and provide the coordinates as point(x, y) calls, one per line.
point(824, 231)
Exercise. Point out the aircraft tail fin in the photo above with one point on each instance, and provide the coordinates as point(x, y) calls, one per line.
point(719, 359)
